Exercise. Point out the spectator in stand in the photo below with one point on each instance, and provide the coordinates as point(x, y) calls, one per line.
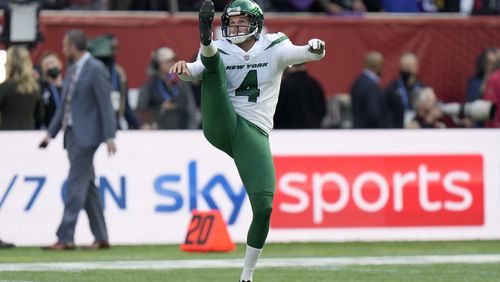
point(88, 5)
point(399, 6)
point(486, 7)
point(368, 106)
point(373, 5)
point(21, 106)
point(189, 5)
point(427, 112)
point(165, 101)
point(492, 93)
point(183, 5)
point(194, 5)
point(293, 5)
point(338, 7)
point(149, 5)
point(53, 4)
point(52, 80)
point(119, 4)
point(448, 6)
point(77, 4)
point(400, 93)
point(301, 102)
point(104, 48)
point(334, 7)
point(485, 65)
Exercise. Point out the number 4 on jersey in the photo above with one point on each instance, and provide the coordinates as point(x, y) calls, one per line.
point(249, 87)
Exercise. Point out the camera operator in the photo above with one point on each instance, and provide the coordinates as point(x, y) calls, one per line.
point(428, 114)
point(165, 101)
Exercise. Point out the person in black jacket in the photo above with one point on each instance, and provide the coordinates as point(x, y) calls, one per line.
point(301, 102)
point(368, 106)
point(51, 85)
point(21, 105)
point(400, 93)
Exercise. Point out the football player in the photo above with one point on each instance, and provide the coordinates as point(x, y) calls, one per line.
point(241, 76)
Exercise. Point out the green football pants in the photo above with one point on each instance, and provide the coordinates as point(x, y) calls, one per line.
point(247, 144)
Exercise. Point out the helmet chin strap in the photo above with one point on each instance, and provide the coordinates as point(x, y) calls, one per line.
point(237, 39)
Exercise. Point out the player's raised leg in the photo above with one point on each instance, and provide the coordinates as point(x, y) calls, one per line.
point(218, 115)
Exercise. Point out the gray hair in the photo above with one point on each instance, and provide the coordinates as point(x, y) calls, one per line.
point(78, 38)
point(424, 95)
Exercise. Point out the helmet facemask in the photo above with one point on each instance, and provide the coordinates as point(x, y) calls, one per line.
point(239, 33)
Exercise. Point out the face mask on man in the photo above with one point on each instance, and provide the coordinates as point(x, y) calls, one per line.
point(405, 76)
point(108, 61)
point(53, 72)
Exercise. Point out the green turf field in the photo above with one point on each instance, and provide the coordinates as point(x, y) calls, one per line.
point(353, 252)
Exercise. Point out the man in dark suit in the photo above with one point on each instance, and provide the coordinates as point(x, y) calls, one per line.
point(368, 106)
point(301, 102)
point(87, 118)
point(399, 95)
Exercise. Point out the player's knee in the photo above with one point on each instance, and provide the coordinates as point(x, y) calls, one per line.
point(263, 213)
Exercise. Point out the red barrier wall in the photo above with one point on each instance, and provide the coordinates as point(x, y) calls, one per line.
point(447, 47)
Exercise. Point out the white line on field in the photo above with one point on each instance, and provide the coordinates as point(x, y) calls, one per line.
point(237, 263)
point(16, 281)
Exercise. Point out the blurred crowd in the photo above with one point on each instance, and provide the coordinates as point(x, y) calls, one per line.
point(332, 7)
point(407, 102)
point(31, 94)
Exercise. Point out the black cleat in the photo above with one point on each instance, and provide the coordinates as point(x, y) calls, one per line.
point(206, 16)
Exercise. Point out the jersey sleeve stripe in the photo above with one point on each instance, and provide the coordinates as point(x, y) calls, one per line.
point(277, 41)
point(222, 51)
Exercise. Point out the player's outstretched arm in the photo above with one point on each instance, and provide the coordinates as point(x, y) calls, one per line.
point(187, 71)
point(293, 54)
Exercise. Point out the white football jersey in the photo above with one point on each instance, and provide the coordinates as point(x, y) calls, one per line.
point(254, 77)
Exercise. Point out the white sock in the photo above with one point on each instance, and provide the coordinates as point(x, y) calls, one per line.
point(251, 257)
point(208, 51)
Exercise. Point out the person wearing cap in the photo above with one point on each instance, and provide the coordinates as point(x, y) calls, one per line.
point(104, 48)
point(165, 101)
